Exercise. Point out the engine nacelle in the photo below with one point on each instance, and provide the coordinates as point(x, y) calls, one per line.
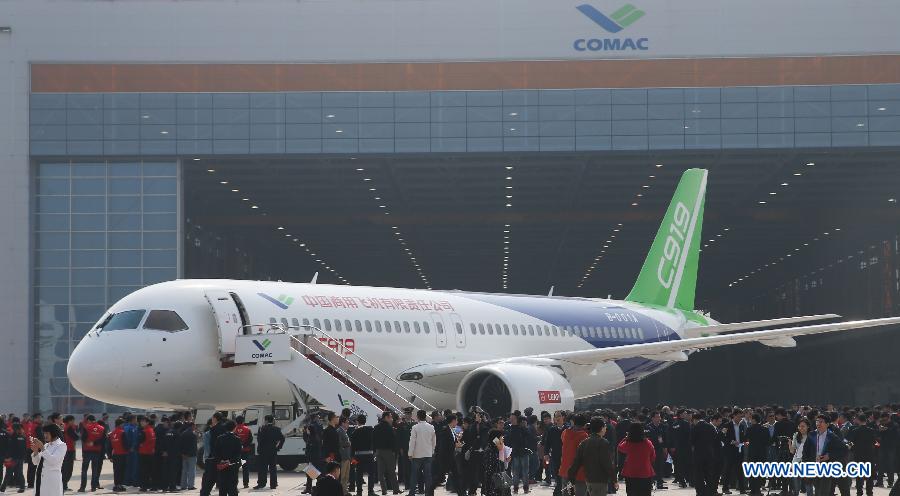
point(506, 387)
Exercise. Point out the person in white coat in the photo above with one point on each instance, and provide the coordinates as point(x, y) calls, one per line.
point(52, 452)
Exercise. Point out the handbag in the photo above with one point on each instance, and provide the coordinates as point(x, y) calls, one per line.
point(502, 481)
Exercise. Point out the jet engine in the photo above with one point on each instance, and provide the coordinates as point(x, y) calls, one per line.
point(506, 387)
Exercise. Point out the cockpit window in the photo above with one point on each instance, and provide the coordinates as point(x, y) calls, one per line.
point(165, 320)
point(129, 319)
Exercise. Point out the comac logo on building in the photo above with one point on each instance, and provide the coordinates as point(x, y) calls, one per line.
point(623, 17)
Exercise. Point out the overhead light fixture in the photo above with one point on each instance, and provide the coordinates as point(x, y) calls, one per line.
point(634, 204)
point(360, 169)
point(762, 202)
point(5, 29)
point(210, 170)
point(509, 178)
point(367, 179)
point(659, 165)
point(253, 206)
point(196, 159)
point(339, 131)
point(798, 173)
point(235, 190)
point(280, 228)
point(881, 109)
point(892, 200)
point(223, 182)
point(513, 114)
point(245, 199)
point(810, 163)
point(509, 167)
point(163, 132)
point(784, 184)
point(645, 186)
point(772, 193)
point(329, 116)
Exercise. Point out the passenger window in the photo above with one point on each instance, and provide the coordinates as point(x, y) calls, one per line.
point(555, 331)
point(417, 327)
point(406, 327)
point(284, 324)
point(620, 333)
point(317, 324)
point(306, 322)
point(530, 329)
point(506, 329)
point(347, 326)
point(459, 329)
point(387, 326)
point(368, 326)
point(472, 328)
point(337, 325)
point(539, 330)
point(481, 329)
point(164, 320)
point(377, 326)
point(490, 329)
point(426, 328)
point(546, 330)
point(440, 327)
point(515, 329)
point(358, 326)
point(327, 325)
point(397, 327)
point(641, 333)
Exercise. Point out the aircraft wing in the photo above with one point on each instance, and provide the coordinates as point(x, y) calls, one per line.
point(695, 332)
point(664, 351)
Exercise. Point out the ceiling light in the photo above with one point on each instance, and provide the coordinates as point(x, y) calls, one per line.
point(513, 114)
point(512, 129)
point(645, 186)
point(210, 170)
point(509, 204)
point(509, 187)
point(360, 169)
point(245, 199)
point(726, 229)
point(860, 124)
point(253, 206)
point(772, 193)
point(339, 130)
point(505, 225)
point(367, 179)
point(798, 173)
point(659, 165)
point(634, 204)
point(163, 132)
point(892, 200)
point(509, 178)
point(509, 196)
point(235, 190)
point(295, 240)
point(280, 228)
point(762, 202)
point(377, 197)
point(372, 189)
point(810, 163)
point(881, 109)
point(329, 116)
point(639, 195)
point(223, 182)
point(652, 177)
point(509, 167)
point(196, 160)
point(615, 230)
point(784, 184)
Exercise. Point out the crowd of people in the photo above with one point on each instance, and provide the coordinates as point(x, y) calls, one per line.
point(591, 452)
point(577, 453)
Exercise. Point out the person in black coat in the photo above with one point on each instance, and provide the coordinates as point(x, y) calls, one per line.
point(657, 433)
point(312, 436)
point(328, 484)
point(862, 439)
point(446, 451)
point(706, 443)
point(210, 474)
point(269, 441)
point(757, 449)
point(734, 436)
point(364, 452)
point(170, 453)
point(680, 447)
point(331, 445)
point(228, 454)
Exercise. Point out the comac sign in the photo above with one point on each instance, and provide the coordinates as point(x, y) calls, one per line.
point(348, 31)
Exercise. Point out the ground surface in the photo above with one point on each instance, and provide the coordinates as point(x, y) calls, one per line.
point(292, 483)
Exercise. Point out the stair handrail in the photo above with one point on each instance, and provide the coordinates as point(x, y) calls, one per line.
point(345, 351)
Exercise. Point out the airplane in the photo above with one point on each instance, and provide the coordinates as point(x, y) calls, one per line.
point(173, 345)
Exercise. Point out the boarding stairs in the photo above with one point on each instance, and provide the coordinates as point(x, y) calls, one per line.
point(338, 377)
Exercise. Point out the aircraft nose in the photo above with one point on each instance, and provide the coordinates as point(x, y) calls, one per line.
point(94, 368)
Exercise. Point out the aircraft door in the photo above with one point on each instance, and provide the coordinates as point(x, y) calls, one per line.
point(440, 333)
point(228, 320)
point(458, 330)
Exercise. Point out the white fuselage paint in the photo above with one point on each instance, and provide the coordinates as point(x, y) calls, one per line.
point(155, 369)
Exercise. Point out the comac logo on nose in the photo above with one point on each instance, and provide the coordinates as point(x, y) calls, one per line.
point(625, 16)
point(282, 302)
point(262, 345)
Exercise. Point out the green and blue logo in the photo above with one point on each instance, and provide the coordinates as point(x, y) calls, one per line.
point(262, 345)
point(625, 16)
point(282, 302)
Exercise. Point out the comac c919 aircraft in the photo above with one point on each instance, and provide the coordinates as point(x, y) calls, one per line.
point(172, 345)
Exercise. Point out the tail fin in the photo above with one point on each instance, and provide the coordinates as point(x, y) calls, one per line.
point(669, 275)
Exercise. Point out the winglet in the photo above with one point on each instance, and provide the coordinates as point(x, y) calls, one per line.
point(550, 293)
point(315, 277)
point(669, 274)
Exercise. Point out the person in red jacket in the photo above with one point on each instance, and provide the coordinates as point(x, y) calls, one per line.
point(92, 443)
point(119, 455)
point(639, 456)
point(571, 438)
point(146, 452)
point(70, 436)
point(243, 433)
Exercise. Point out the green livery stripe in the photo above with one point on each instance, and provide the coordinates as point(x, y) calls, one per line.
point(631, 18)
point(669, 274)
point(622, 12)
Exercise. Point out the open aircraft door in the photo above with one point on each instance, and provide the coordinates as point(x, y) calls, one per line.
point(228, 319)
